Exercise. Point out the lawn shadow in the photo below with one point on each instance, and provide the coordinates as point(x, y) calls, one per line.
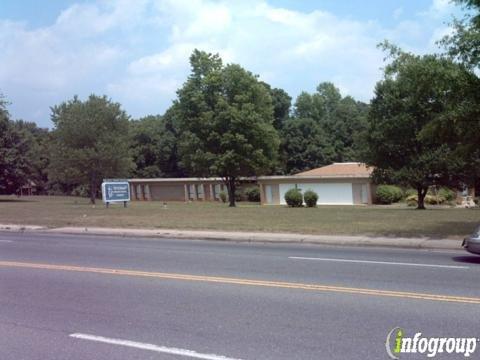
point(435, 231)
point(469, 259)
point(17, 201)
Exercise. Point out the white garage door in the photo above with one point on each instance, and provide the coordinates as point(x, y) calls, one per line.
point(328, 194)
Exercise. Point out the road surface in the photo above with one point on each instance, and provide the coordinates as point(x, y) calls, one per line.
point(96, 297)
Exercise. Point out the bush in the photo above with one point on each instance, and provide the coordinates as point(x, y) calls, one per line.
point(253, 194)
point(310, 198)
point(434, 199)
point(410, 192)
point(239, 196)
point(81, 191)
point(223, 196)
point(294, 198)
point(412, 200)
point(388, 194)
point(447, 194)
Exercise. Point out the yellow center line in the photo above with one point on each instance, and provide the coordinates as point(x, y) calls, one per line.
point(247, 282)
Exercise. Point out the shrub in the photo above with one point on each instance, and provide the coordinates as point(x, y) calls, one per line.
point(410, 192)
point(388, 194)
point(239, 196)
point(81, 191)
point(294, 198)
point(310, 198)
point(223, 196)
point(447, 194)
point(434, 199)
point(412, 200)
point(253, 194)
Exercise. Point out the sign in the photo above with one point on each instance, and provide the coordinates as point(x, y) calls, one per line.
point(115, 191)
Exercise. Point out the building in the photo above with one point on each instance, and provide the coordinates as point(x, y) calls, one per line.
point(176, 189)
point(335, 184)
point(29, 189)
point(339, 183)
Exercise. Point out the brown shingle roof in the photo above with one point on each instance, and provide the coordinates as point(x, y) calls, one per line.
point(350, 169)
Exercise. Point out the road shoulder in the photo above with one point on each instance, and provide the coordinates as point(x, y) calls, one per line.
point(260, 237)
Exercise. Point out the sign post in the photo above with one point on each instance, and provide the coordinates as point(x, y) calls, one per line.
point(114, 191)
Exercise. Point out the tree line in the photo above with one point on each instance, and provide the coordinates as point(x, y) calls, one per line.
point(224, 122)
point(422, 127)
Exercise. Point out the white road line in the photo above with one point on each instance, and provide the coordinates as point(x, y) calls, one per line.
point(6, 241)
point(379, 262)
point(150, 347)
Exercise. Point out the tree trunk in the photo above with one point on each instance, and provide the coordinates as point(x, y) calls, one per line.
point(93, 190)
point(231, 191)
point(421, 193)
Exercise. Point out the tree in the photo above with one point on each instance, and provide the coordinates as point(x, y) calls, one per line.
point(464, 45)
point(37, 140)
point(225, 118)
point(90, 142)
point(282, 102)
point(416, 95)
point(464, 42)
point(154, 147)
point(305, 144)
point(15, 163)
point(329, 128)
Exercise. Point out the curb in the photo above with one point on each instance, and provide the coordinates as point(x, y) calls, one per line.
point(254, 237)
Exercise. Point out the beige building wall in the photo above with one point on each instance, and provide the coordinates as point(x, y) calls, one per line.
point(188, 190)
point(359, 185)
point(167, 192)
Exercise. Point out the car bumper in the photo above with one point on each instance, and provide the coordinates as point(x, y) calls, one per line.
point(472, 245)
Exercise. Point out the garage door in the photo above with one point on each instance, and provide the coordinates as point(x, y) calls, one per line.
point(328, 194)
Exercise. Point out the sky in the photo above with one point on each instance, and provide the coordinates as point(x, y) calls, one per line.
point(136, 52)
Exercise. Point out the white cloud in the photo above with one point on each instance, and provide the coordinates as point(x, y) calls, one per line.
point(438, 9)
point(287, 48)
point(137, 51)
point(398, 13)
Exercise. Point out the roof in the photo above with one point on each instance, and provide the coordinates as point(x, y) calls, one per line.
point(182, 180)
point(333, 171)
point(347, 169)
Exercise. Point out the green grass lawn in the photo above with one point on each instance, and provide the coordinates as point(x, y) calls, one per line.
point(354, 220)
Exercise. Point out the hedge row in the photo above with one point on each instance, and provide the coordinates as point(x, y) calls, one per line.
point(388, 194)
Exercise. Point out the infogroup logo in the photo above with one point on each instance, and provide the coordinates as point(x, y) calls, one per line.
point(397, 343)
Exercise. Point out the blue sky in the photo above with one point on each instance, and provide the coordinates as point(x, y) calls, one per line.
point(136, 52)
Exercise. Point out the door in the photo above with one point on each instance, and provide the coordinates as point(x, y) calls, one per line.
point(269, 194)
point(364, 194)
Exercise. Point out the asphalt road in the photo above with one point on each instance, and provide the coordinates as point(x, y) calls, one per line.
point(84, 297)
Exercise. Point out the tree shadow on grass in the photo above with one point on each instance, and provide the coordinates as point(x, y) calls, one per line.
point(17, 201)
point(469, 259)
point(435, 231)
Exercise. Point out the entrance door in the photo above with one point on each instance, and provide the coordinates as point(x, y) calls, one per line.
point(364, 194)
point(269, 194)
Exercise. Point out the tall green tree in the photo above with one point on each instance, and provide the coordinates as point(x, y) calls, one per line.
point(15, 164)
point(154, 147)
point(464, 42)
point(18, 153)
point(37, 140)
point(336, 125)
point(91, 142)
point(226, 118)
point(282, 103)
point(416, 94)
point(304, 145)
